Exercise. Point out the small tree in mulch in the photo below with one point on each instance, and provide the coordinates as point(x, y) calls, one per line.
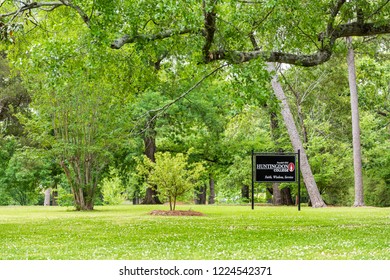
point(174, 176)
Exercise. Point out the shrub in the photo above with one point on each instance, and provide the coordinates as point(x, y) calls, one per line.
point(113, 190)
point(174, 176)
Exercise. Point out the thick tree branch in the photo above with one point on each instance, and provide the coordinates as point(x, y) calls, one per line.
point(297, 59)
point(307, 60)
point(328, 37)
point(127, 39)
point(360, 29)
point(209, 26)
point(319, 57)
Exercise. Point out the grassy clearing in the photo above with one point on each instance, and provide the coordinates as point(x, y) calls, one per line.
point(226, 232)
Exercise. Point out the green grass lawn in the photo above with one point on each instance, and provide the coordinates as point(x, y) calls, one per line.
point(224, 233)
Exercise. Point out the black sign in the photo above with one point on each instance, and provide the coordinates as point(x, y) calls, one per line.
point(275, 168)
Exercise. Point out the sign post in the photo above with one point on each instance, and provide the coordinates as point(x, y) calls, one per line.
point(276, 168)
point(253, 185)
point(299, 180)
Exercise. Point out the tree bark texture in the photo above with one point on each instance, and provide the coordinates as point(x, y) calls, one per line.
point(47, 197)
point(276, 195)
point(54, 197)
point(286, 196)
point(279, 197)
point(151, 196)
point(307, 174)
point(245, 192)
point(357, 158)
point(201, 195)
point(83, 181)
point(212, 190)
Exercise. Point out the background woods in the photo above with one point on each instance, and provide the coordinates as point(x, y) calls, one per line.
point(89, 87)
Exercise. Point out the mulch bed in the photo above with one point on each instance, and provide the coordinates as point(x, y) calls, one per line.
point(175, 213)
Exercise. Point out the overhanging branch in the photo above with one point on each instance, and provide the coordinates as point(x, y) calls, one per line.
point(78, 9)
point(32, 6)
point(155, 113)
point(127, 39)
point(50, 7)
point(327, 38)
point(297, 59)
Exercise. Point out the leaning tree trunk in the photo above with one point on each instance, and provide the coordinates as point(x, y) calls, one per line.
point(277, 194)
point(307, 174)
point(357, 158)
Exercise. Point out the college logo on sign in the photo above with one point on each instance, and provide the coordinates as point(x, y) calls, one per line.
point(291, 167)
point(274, 167)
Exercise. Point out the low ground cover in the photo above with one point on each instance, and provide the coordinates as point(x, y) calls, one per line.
point(222, 233)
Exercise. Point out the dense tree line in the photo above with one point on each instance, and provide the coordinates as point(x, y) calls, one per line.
point(89, 87)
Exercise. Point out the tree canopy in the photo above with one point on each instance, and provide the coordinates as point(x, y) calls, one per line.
point(294, 32)
point(90, 85)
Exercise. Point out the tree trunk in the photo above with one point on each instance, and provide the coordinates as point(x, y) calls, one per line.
point(357, 159)
point(150, 147)
point(307, 174)
point(151, 196)
point(47, 197)
point(245, 192)
point(276, 194)
point(54, 195)
point(286, 196)
point(136, 199)
point(212, 190)
point(302, 122)
point(82, 185)
point(201, 195)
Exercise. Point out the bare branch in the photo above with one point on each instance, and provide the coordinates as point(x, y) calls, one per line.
point(257, 24)
point(307, 35)
point(155, 113)
point(378, 10)
point(78, 9)
point(48, 7)
point(32, 6)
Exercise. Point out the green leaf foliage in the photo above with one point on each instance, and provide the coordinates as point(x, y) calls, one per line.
point(174, 176)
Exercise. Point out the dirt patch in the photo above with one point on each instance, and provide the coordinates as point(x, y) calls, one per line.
point(176, 213)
